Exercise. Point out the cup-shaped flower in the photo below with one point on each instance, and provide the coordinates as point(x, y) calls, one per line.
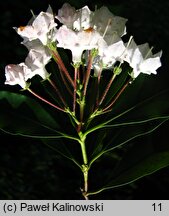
point(15, 74)
point(39, 28)
point(108, 55)
point(77, 42)
point(107, 23)
point(83, 20)
point(113, 53)
point(75, 19)
point(67, 15)
point(141, 59)
point(42, 72)
point(36, 61)
point(34, 44)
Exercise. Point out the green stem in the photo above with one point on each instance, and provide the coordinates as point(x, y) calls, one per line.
point(85, 170)
point(84, 167)
point(83, 148)
point(82, 105)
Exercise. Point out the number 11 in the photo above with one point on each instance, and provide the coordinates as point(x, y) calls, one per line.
point(157, 207)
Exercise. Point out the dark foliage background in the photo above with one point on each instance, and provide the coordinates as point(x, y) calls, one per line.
point(30, 170)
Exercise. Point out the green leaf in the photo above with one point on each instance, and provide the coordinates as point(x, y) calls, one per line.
point(60, 147)
point(147, 166)
point(21, 115)
point(138, 120)
point(16, 101)
point(151, 107)
point(124, 134)
point(156, 106)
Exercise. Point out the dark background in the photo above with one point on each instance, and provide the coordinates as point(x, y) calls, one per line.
point(28, 169)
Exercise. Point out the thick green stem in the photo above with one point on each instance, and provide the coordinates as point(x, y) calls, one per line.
point(83, 148)
point(82, 105)
point(85, 168)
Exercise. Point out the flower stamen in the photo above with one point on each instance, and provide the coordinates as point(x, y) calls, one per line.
point(106, 29)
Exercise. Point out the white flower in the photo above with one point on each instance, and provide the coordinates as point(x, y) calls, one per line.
point(107, 23)
point(38, 57)
point(39, 28)
point(113, 52)
point(34, 44)
point(141, 59)
point(77, 42)
point(67, 15)
point(97, 66)
point(15, 74)
point(108, 55)
point(75, 19)
point(34, 65)
point(42, 72)
point(83, 20)
point(36, 61)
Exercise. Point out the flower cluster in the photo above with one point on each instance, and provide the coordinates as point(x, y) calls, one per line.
point(100, 54)
point(82, 30)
